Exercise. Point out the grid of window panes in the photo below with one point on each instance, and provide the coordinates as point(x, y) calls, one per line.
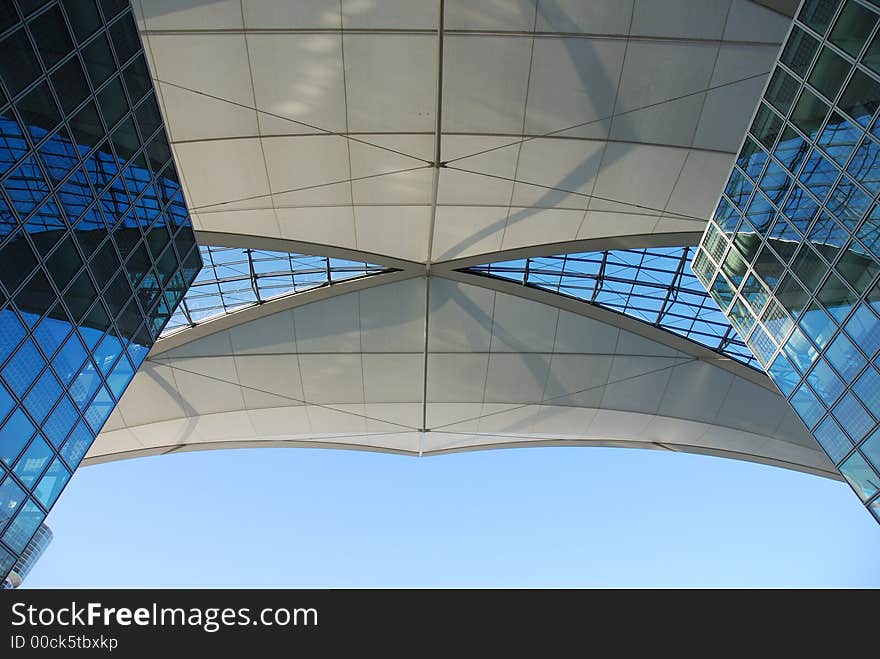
point(792, 254)
point(96, 247)
point(234, 278)
point(655, 285)
point(33, 551)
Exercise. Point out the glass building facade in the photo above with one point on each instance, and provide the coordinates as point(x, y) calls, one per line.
point(96, 246)
point(29, 557)
point(792, 253)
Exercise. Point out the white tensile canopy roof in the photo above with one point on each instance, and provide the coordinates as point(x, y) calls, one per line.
point(421, 140)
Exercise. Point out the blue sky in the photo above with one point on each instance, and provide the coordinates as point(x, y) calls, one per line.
point(529, 517)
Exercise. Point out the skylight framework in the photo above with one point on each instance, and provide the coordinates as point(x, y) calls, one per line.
point(234, 278)
point(655, 285)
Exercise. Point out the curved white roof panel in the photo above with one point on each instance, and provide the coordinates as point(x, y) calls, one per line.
point(427, 142)
point(551, 121)
point(350, 370)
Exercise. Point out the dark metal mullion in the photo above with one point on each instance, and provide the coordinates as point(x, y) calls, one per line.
point(253, 278)
point(672, 292)
point(600, 277)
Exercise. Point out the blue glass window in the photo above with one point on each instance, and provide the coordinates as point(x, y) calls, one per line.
point(23, 367)
point(864, 328)
point(69, 359)
point(751, 158)
point(800, 351)
point(817, 325)
point(807, 406)
point(832, 439)
point(848, 203)
point(839, 138)
point(844, 357)
point(6, 402)
point(26, 187)
point(14, 434)
point(783, 375)
point(51, 484)
point(32, 462)
point(825, 383)
point(99, 409)
point(77, 444)
point(60, 422)
point(867, 388)
point(760, 213)
point(819, 175)
point(853, 417)
point(871, 449)
point(864, 168)
point(85, 385)
point(23, 526)
point(800, 208)
point(861, 98)
point(51, 332)
point(42, 396)
point(12, 332)
point(739, 189)
point(860, 475)
point(11, 497)
point(120, 377)
point(791, 150)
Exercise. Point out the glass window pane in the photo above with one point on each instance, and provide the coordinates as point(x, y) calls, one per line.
point(77, 444)
point(11, 497)
point(819, 175)
point(818, 15)
point(839, 138)
point(808, 267)
point(832, 439)
point(809, 113)
point(50, 32)
point(125, 38)
point(51, 484)
point(853, 417)
point(825, 383)
point(864, 329)
point(792, 296)
point(807, 406)
point(783, 375)
point(861, 98)
point(867, 388)
point(112, 102)
point(23, 527)
point(32, 462)
point(782, 90)
point(857, 268)
point(791, 149)
point(766, 126)
point(799, 51)
point(83, 16)
point(860, 475)
point(19, 66)
point(818, 325)
point(871, 449)
point(829, 73)
point(852, 28)
point(99, 61)
point(800, 351)
point(14, 434)
point(864, 167)
point(844, 357)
